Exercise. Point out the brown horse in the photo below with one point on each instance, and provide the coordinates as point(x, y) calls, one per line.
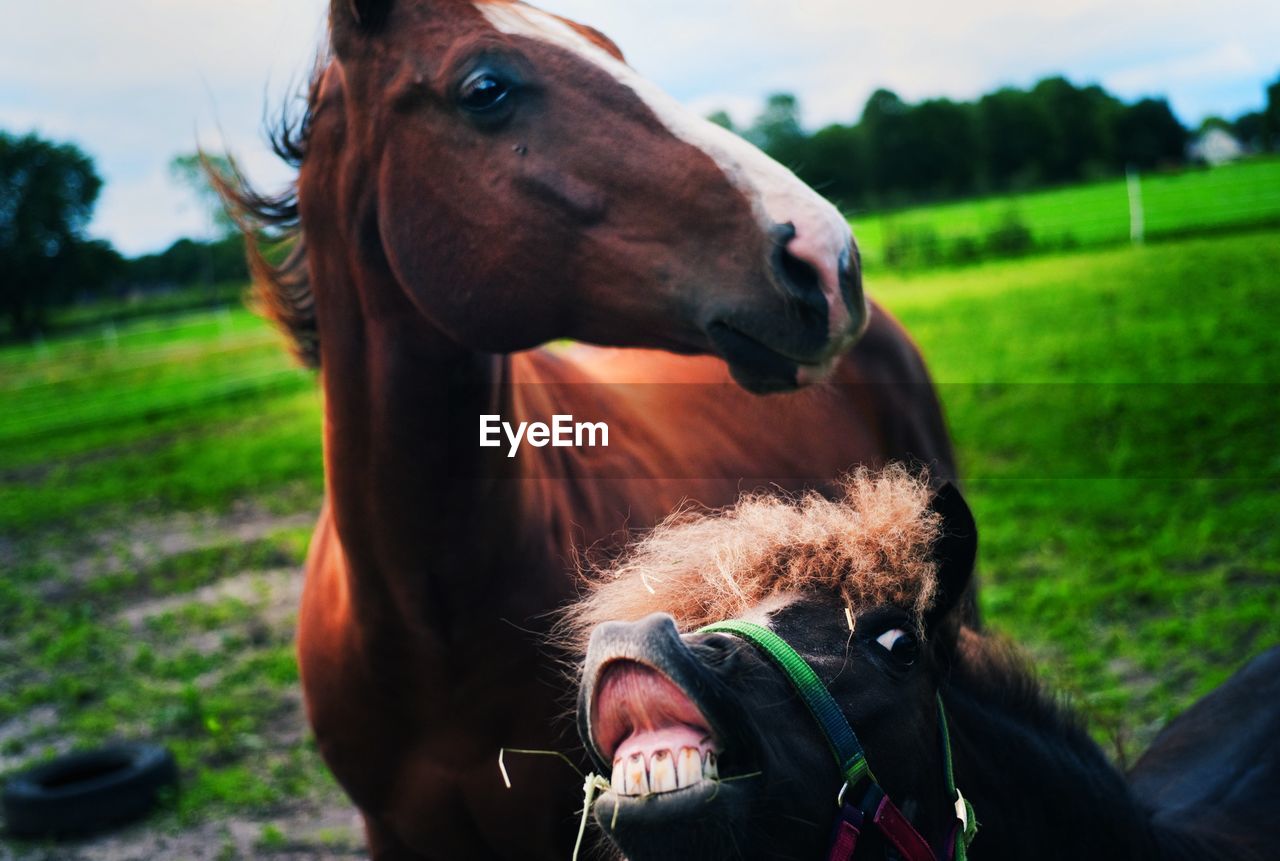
point(714, 752)
point(477, 179)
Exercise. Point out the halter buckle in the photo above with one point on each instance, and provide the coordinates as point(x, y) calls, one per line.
point(962, 811)
point(840, 796)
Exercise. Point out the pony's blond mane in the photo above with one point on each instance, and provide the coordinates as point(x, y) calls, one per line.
point(869, 546)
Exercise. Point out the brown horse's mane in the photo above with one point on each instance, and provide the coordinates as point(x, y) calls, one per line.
point(871, 546)
point(275, 243)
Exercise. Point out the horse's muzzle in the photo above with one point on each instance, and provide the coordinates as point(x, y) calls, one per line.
point(823, 277)
point(823, 312)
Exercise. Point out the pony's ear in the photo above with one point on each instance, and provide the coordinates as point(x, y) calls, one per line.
point(956, 551)
point(352, 19)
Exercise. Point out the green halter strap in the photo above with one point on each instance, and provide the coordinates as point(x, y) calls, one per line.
point(848, 752)
point(840, 736)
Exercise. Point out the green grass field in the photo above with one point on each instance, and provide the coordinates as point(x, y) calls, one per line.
point(158, 481)
point(138, 420)
point(1222, 198)
point(1115, 414)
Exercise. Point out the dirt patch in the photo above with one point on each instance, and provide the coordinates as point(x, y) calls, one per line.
point(221, 652)
point(143, 541)
point(37, 472)
point(148, 541)
point(15, 734)
point(276, 593)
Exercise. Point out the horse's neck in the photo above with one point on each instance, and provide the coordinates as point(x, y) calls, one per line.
point(420, 520)
point(1041, 787)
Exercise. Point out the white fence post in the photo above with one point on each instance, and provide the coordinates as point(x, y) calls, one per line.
point(1137, 225)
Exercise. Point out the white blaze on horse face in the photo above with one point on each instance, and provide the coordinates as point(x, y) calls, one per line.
point(823, 238)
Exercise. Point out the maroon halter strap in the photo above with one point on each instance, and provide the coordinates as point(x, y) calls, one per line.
point(848, 829)
point(898, 831)
point(891, 823)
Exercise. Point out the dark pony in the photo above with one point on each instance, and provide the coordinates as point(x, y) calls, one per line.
point(866, 589)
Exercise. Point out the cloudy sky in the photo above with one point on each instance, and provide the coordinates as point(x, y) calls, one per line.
point(135, 82)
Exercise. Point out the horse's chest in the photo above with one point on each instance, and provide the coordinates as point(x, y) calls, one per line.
point(419, 750)
point(396, 694)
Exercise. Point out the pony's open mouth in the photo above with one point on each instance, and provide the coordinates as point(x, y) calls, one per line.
point(656, 737)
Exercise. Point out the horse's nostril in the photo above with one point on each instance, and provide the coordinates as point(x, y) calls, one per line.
point(782, 234)
point(796, 275)
point(799, 279)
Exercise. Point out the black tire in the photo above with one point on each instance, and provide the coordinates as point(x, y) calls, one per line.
point(85, 792)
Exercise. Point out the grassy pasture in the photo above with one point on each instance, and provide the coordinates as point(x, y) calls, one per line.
point(1175, 204)
point(139, 420)
point(158, 483)
point(1115, 416)
point(1114, 411)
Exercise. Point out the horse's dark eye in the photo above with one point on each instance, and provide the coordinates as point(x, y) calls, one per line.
point(900, 644)
point(483, 92)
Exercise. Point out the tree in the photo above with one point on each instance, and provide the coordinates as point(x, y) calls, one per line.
point(188, 261)
point(940, 148)
point(883, 126)
point(722, 119)
point(836, 165)
point(1250, 130)
point(1149, 135)
point(47, 195)
point(1082, 120)
point(1271, 117)
point(777, 130)
point(1016, 131)
point(191, 171)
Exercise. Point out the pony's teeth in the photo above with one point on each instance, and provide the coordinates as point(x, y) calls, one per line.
point(637, 779)
point(689, 766)
point(619, 781)
point(709, 768)
point(662, 772)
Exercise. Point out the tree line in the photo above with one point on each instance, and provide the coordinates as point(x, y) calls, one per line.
point(48, 192)
point(1012, 139)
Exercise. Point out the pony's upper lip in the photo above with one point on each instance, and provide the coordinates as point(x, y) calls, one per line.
point(645, 694)
point(633, 699)
point(656, 737)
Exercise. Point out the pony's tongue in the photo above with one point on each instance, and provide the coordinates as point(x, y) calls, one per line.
point(639, 710)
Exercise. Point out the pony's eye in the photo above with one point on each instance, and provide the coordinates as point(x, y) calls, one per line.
point(900, 644)
point(483, 92)
point(890, 638)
